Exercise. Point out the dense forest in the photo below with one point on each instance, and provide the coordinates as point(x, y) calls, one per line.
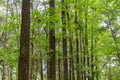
point(59, 39)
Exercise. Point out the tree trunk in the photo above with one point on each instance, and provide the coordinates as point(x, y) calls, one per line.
point(41, 67)
point(23, 65)
point(71, 59)
point(3, 71)
point(60, 64)
point(32, 61)
point(81, 53)
point(64, 40)
point(77, 42)
point(92, 46)
point(52, 51)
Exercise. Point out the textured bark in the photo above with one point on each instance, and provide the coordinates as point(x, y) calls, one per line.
point(23, 65)
point(52, 56)
point(64, 41)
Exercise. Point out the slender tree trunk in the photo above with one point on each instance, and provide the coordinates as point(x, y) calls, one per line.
point(23, 65)
point(3, 71)
point(41, 67)
point(11, 74)
point(59, 73)
point(77, 42)
point(60, 64)
point(92, 54)
point(32, 61)
point(86, 42)
point(71, 59)
point(71, 72)
point(52, 51)
point(6, 12)
point(65, 62)
point(77, 57)
point(81, 53)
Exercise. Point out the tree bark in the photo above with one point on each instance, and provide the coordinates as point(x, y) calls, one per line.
point(77, 42)
point(41, 67)
point(52, 52)
point(23, 65)
point(64, 41)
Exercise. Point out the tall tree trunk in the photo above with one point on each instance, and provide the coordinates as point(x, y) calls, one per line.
point(60, 64)
point(86, 42)
point(64, 40)
point(81, 54)
point(77, 42)
point(23, 65)
point(41, 67)
point(92, 54)
point(32, 61)
point(71, 59)
point(52, 51)
point(11, 78)
point(6, 12)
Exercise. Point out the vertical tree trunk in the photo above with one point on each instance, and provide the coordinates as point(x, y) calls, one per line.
point(31, 61)
point(92, 54)
point(52, 51)
point(71, 59)
point(72, 75)
point(65, 62)
point(60, 64)
point(6, 12)
point(81, 54)
point(41, 67)
point(3, 71)
point(23, 65)
point(77, 42)
point(11, 74)
point(86, 43)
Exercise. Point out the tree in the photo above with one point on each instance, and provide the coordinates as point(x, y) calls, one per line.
point(64, 40)
point(23, 65)
point(51, 55)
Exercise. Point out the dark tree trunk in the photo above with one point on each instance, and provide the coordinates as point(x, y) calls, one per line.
point(71, 72)
point(64, 40)
point(23, 65)
point(92, 46)
point(81, 53)
point(77, 42)
point(52, 56)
